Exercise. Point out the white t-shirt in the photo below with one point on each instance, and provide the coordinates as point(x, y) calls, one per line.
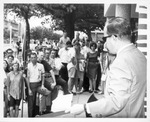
point(35, 72)
point(63, 54)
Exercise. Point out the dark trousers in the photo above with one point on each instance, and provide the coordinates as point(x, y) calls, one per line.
point(98, 81)
point(64, 72)
point(32, 99)
point(62, 83)
point(54, 92)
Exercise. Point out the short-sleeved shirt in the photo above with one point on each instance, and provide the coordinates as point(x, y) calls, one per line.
point(71, 54)
point(35, 72)
point(15, 84)
point(63, 53)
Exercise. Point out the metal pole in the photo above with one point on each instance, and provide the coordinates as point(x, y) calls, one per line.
point(22, 98)
point(10, 34)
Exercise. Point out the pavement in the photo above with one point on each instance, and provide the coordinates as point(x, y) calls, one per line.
point(60, 104)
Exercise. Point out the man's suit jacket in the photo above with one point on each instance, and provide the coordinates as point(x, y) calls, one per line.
point(125, 87)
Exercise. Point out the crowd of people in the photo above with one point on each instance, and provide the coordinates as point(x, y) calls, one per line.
point(113, 67)
point(73, 66)
point(126, 77)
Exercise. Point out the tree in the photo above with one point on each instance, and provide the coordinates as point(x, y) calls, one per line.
point(39, 33)
point(81, 17)
point(91, 18)
point(25, 11)
point(63, 14)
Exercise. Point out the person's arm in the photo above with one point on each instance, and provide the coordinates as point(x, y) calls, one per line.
point(118, 91)
point(101, 62)
point(73, 41)
point(69, 39)
point(53, 76)
point(60, 42)
point(8, 86)
point(42, 75)
point(28, 82)
point(87, 61)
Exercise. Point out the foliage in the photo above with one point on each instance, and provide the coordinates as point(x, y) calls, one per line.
point(80, 17)
point(39, 33)
point(89, 17)
point(22, 10)
point(69, 17)
point(25, 11)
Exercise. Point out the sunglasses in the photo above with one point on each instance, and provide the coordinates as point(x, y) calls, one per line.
point(105, 38)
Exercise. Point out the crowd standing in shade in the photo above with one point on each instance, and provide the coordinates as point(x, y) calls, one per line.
point(73, 66)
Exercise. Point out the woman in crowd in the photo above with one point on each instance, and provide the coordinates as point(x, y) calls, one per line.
point(6, 102)
point(15, 80)
point(92, 65)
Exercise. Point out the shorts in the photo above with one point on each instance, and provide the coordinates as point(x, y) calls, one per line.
point(14, 102)
point(80, 75)
point(72, 72)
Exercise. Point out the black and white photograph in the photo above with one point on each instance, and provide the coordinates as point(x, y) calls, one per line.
point(75, 60)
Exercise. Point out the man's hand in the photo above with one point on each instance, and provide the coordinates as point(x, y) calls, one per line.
point(30, 92)
point(8, 97)
point(42, 87)
point(24, 75)
point(76, 109)
point(53, 85)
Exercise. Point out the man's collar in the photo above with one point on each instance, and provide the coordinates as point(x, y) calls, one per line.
point(124, 48)
point(34, 64)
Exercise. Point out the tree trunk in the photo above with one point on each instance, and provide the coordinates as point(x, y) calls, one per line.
point(89, 35)
point(69, 24)
point(26, 45)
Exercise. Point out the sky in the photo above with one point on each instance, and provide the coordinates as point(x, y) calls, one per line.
point(34, 21)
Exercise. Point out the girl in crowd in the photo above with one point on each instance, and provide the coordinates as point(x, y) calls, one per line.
point(15, 82)
point(92, 65)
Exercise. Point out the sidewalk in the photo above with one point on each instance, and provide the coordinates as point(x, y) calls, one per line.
point(61, 103)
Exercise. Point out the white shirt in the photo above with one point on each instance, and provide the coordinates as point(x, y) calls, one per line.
point(35, 72)
point(71, 54)
point(56, 65)
point(124, 47)
point(63, 54)
point(85, 50)
point(32, 46)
